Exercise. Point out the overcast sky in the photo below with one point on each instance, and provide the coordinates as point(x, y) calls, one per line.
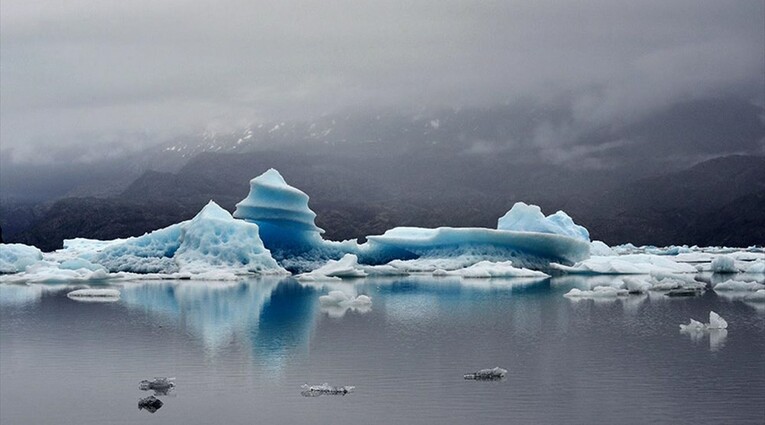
point(79, 72)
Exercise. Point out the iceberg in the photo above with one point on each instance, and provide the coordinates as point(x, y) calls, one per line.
point(524, 235)
point(523, 248)
point(15, 257)
point(286, 224)
point(529, 218)
point(213, 239)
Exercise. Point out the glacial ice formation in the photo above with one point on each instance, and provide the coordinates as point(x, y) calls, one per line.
point(286, 224)
point(213, 239)
point(529, 218)
point(15, 258)
point(525, 249)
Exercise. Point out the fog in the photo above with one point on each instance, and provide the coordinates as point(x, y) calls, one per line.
point(102, 77)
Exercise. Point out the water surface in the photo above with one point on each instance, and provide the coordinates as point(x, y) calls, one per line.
point(240, 352)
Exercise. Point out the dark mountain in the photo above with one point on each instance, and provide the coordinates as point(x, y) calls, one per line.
point(642, 180)
point(710, 203)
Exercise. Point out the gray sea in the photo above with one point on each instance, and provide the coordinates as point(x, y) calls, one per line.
point(240, 351)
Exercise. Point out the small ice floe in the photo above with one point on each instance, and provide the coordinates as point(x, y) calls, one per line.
point(346, 267)
point(597, 292)
point(724, 264)
point(95, 295)
point(737, 285)
point(341, 299)
point(150, 403)
point(715, 323)
point(494, 374)
point(758, 296)
point(160, 385)
point(324, 389)
point(684, 292)
point(336, 303)
point(489, 269)
point(636, 285)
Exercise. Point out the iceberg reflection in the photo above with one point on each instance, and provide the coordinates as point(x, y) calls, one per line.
point(272, 315)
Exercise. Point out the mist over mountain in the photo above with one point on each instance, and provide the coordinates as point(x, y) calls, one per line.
point(366, 173)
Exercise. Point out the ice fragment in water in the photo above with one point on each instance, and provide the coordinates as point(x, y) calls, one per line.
point(104, 295)
point(158, 384)
point(324, 389)
point(715, 323)
point(150, 403)
point(487, 374)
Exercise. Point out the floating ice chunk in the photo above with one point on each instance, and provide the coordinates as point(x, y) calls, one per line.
point(487, 374)
point(684, 292)
point(150, 403)
point(529, 218)
point(340, 298)
point(737, 285)
point(627, 264)
point(758, 295)
point(598, 248)
point(756, 267)
point(597, 292)
point(724, 264)
point(48, 272)
point(693, 326)
point(635, 285)
point(160, 385)
point(346, 267)
point(15, 257)
point(95, 295)
point(716, 322)
point(488, 269)
point(325, 389)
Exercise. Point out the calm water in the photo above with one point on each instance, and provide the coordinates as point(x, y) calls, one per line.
point(240, 352)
